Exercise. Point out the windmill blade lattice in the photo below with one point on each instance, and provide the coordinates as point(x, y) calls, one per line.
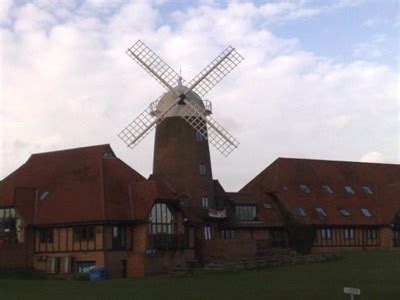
point(218, 136)
point(144, 123)
point(221, 66)
point(153, 65)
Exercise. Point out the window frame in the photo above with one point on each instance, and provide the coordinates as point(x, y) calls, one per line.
point(348, 233)
point(327, 189)
point(204, 202)
point(326, 234)
point(321, 212)
point(300, 211)
point(207, 232)
point(304, 188)
point(246, 212)
point(365, 212)
point(46, 235)
point(349, 190)
point(344, 212)
point(367, 190)
point(202, 169)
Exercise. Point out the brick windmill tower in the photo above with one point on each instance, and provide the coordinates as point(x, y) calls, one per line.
point(183, 123)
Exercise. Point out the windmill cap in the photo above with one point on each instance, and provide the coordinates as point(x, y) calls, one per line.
point(170, 97)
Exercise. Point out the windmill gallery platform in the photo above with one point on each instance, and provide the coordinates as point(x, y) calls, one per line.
point(68, 211)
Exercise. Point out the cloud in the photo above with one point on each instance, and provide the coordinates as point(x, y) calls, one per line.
point(66, 82)
point(375, 157)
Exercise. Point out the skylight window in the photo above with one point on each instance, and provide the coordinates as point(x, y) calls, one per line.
point(327, 189)
point(44, 195)
point(366, 212)
point(300, 211)
point(304, 188)
point(320, 211)
point(367, 190)
point(349, 190)
point(344, 212)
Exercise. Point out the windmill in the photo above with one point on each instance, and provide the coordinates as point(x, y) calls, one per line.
point(178, 115)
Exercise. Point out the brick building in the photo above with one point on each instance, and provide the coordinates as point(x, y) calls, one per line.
point(66, 211)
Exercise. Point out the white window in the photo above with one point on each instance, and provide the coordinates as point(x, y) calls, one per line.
point(327, 189)
point(300, 211)
point(199, 137)
point(349, 234)
point(344, 212)
point(204, 202)
point(207, 232)
point(246, 212)
point(304, 188)
point(366, 212)
point(320, 211)
point(44, 195)
point(349, 190)
point(202, 169)
point(326, 234)
point(367, 190)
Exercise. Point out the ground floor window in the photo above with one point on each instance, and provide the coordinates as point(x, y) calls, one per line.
point(227, 234)
point(349, 234)
point(59, 264)
point(396, 237)
point(207, 232)
point(326, 234)
point(46, 235)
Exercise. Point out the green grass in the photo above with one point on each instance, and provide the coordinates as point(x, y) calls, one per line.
point(377, 274)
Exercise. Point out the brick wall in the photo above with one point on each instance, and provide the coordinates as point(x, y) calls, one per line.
point(218, 249)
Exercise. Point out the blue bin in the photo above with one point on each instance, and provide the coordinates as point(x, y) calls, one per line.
point(98, 274)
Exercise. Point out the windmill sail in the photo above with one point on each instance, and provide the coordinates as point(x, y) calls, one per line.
point(153, 65)
point(221, 66)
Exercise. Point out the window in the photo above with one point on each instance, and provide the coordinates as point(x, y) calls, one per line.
point(202, 169)
point(118, 235)
point(161, 220)
point(349, 234)
point(285, 188)
point(372, 234)
point(207, 232)
point(199, 137)
point(326, 234)
point(204, 202)
point(227, 234)
point(327, 189)
point(367, 190)
point(246, 212)
point(43, 195)
point(8, 227)
point(300, 211)
point(84, 233)
point(344, 212)
point(320, 212)
point(366, 212)
point(304, 189)
point(349, 190)
point(46, 235)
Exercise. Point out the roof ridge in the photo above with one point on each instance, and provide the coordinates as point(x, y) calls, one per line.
point(71, 149)
point(337, 161)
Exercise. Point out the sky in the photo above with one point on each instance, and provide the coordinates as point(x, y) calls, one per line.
point(320, 79)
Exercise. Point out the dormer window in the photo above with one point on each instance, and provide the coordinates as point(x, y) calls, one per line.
point(43, 195)
point(366, 212)
point(320, 212)
point(349, 190)
point(344, 212)
point(300, 211)
point(367, 190)
point(304, 189)
point(327, 189)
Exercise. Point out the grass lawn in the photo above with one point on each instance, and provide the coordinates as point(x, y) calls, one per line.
point(377, 274)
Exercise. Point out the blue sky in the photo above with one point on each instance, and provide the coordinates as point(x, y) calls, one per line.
point(319, 79)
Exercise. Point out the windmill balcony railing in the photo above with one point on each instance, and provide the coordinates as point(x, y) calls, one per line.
point(155, 112)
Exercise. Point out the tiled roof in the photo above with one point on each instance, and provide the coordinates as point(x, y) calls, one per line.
point(83, 184)
point(285, 175)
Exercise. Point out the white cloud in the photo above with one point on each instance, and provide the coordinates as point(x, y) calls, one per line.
point(67, 83)
point(375, 157)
